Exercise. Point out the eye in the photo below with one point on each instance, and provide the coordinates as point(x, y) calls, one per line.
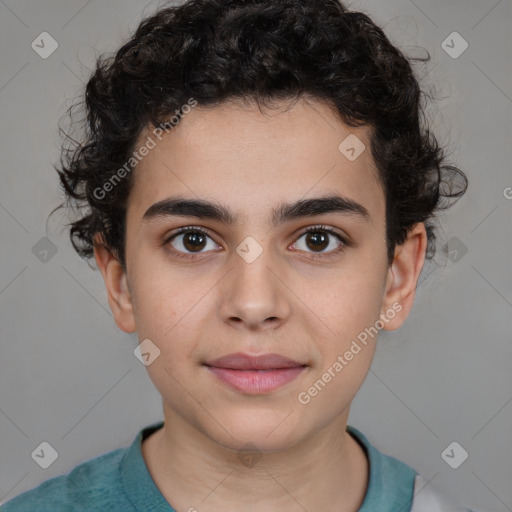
point(321, 240)
point(190, 240)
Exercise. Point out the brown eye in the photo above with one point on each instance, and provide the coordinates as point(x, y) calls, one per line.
point(321, 240)
point(189, 241)
point(317, 240)
point(193, 241)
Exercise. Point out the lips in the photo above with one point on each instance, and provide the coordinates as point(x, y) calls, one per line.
point(255, 375)
point(241, 361)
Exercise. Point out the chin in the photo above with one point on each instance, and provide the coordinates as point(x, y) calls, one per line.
point(266, 430)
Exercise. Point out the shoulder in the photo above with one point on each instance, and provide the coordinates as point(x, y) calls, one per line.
point(91, 485)
point(429, 498)
point(394, 485)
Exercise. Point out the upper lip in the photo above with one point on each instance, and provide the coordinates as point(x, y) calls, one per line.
point(241, 361)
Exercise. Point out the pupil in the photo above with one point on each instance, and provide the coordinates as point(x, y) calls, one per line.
point(319, 240)
point(193, 240)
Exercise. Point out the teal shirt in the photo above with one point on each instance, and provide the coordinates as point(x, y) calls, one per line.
point(119, 481)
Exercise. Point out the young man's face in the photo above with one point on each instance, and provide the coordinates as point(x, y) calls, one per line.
point(260, 283)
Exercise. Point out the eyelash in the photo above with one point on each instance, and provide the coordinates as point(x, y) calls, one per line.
point(192, 229)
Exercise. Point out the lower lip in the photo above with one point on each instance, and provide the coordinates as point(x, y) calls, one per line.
point(256, 382)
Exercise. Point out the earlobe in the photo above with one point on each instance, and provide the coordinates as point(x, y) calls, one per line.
point(402, 277)
point(116, 283)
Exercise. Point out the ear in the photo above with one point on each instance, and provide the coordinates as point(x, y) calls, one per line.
point(402, 277)
point(116, 283)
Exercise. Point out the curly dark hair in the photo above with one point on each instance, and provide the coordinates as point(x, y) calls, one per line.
point(258, 50)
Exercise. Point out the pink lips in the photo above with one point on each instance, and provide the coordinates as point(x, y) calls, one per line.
point(255, 374)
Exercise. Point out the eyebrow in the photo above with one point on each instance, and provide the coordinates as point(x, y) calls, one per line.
point(202, 209)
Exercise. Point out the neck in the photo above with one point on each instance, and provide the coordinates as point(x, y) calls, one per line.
point(328, 471)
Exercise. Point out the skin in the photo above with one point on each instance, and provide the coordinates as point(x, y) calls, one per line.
point(286, 301)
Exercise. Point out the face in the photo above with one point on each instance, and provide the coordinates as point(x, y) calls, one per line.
point(288, 257)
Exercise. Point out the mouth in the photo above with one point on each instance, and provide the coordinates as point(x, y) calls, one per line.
point(255, 375)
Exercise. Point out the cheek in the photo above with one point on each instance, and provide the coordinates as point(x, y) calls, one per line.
point(165, 299)
point(347, 301)
point(349, 307)
point(168, 317)
point(170, 310)
point(352, 318)
point(346, 353)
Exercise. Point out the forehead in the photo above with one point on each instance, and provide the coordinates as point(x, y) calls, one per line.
point(233, 154)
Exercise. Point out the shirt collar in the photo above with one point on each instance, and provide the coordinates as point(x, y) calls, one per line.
point(391, 482)
point(138, 485)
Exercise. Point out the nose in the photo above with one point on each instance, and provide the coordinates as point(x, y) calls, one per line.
point(253, 295)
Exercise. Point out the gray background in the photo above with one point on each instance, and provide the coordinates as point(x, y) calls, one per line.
point(68, 375)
